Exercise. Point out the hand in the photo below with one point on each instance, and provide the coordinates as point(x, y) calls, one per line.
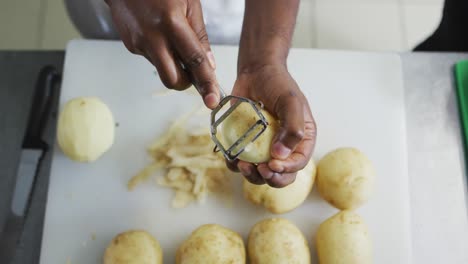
point(294, 143)
point(169, 34)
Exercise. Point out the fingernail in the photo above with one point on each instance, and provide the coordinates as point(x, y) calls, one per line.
point(211, 100)
point(276, 182)
point(276, 166)
point(211, 59)
point(281, 151)
point(245, 171)
point(268, 175)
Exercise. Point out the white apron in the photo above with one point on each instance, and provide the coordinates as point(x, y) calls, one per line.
point(223, 20)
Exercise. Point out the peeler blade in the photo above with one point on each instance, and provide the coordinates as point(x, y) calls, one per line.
point(232, 152)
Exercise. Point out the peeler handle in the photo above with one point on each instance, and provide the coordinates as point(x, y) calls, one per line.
point(221, 91)
point(222, 94)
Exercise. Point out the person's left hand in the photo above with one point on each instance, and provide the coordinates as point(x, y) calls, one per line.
point(294, 143)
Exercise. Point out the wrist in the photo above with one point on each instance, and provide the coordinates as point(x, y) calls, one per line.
point(257, 52)
point(263, 45)
point(254, 65)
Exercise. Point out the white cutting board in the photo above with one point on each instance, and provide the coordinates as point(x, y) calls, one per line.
point(357, 100)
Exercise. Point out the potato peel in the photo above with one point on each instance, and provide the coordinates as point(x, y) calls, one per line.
point(190, 167)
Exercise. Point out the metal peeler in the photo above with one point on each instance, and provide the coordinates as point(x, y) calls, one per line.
point(233, 151)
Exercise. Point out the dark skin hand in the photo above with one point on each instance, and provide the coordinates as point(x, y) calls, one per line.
point(171, 33)
point(263, 76)
point(293, 145)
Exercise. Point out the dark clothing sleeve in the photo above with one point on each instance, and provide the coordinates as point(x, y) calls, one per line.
point(452, 33)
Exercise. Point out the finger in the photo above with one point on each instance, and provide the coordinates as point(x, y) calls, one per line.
point(249, 171)
point(195, 18)
point(255, 180)
point(291, 116)
point(301, 156)
point(169, 70)
point(232, 165)
point(275, 179)
point(194, 57)
point(294, 163)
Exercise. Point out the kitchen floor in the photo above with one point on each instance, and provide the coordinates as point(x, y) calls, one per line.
point(379, 25)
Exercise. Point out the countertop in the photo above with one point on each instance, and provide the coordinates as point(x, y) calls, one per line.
point(18, 76)
point(438, 185)
point(436, 160)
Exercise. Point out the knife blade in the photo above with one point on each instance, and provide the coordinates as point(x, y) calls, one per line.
point(25, 177)
point(32, 153)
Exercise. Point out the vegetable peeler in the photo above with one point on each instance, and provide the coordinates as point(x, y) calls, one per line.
point(220, 113)
point(218, 116)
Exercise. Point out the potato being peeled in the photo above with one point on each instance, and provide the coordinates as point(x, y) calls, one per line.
point(237, 124)
point(212, 244)
point(277, 241)
point(282, 200)
point(344, 238)
point(133, 247)
point(345, 178)
point(85, 129)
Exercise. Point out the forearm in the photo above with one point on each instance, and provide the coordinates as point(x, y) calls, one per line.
point(266, 33)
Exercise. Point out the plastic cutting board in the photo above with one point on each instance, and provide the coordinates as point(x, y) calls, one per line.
point(357, 99)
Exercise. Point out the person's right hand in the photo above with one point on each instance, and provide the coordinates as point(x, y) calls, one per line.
point(171, 35)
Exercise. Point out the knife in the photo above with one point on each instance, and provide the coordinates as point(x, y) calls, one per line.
point(33, 149)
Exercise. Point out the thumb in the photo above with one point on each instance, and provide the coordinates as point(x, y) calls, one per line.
point(194, 58)
point(291, 132)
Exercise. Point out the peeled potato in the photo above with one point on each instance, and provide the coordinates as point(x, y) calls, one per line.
point(237, 124)
point(212, 244)
point(85, 129)
point(344, 238)
point(277, 241)
point(133, 247)
point(282, 200)
point(345, 178)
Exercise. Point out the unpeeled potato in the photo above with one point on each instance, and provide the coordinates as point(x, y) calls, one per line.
point(345, 178)
point(133, 247)
point(282, 200)
point(212, 244)
point(238, 123)
point(277, 241)
point(344, 238)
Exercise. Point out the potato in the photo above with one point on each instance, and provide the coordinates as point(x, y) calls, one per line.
point(345, 178)
point(277, 241)
point(85, 129)
point(237, 124)
point(133, 247)
point(344, 238)
point(212, 244)
point(279, 201)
